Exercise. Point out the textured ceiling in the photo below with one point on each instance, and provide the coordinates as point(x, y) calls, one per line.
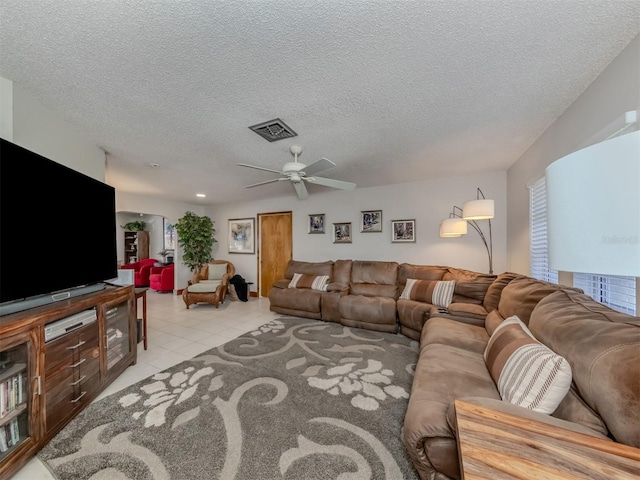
point(390, 91)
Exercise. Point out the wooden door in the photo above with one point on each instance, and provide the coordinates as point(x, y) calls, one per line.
point(276, 248)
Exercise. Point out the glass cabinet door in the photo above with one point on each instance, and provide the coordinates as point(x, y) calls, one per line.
point(16, 370)
point(117, 334)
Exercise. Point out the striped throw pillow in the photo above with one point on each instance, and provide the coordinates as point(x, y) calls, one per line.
point(526, 372)
point(314, 282)
point(438, 293)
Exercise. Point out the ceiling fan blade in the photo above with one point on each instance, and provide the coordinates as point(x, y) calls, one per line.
point(330, 182)
point(279, 172)
point(266, 181)
point(301, 190)
point(318, 166)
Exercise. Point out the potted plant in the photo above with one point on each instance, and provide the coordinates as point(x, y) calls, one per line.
point(136, 226)
point(195, 236)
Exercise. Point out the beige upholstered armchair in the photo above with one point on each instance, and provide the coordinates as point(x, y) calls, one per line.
point(209, 284)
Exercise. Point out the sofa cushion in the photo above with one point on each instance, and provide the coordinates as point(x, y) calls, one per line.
point(454, 334)
point(309, 268)
point(521, 295)
point(471, 287)
point(374, 279)
point(296, 299)
point(603, 348)
point(437, 293)
point(492, 298)
point(527, 373)
point(314, 282)
point(205, 286)
point(421, 272)
point(216, 271)
point(443, 373)
point(468, 310)
point(492, 321)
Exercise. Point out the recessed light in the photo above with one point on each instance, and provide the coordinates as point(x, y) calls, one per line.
point(201, 195)
point(154, 165)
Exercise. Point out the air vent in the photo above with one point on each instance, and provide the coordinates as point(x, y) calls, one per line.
point(274, 130)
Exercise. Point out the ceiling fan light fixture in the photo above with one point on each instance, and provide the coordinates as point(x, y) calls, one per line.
point(299, 173)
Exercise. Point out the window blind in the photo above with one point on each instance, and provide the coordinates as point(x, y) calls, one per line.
point(618, 293)
point(538, 256)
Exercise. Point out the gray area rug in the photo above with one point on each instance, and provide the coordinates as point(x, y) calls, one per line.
point(295, 399)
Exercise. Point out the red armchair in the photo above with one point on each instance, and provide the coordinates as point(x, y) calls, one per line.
point(142, 270)
point(161, 278)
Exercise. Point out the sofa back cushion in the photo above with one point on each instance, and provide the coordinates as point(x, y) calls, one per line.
point(374, 279)
point(521, 296)
point(215, 271)
point(492, 298)
point(603, 348)
point(308, 268)
point(342, 271)
point(419, 272)
point(471, 287)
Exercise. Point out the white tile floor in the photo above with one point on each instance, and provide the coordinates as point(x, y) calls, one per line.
point(176, 334)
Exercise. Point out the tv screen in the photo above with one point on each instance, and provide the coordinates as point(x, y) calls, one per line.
point(57, 226)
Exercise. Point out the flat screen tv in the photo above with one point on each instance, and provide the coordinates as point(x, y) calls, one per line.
point(57, 230)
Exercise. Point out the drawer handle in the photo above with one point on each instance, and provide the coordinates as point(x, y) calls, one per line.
point(75, 400)
point(82, 342)
point(82, 360)
point(73, 384)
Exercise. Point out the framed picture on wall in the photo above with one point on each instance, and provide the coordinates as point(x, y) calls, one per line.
point(342, 232)
point(242, 235)
point(316, 223)
point(371, 221)
point(403, 231)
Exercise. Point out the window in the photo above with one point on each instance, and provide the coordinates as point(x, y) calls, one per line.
point(538, 256)
point(618, 293)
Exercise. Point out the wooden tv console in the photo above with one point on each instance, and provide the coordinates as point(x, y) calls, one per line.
point(44, 384)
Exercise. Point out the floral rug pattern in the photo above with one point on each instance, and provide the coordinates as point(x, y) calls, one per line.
point(294, 399)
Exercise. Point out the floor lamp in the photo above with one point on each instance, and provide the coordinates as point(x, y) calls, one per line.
point(593, 202)
point(478, 209)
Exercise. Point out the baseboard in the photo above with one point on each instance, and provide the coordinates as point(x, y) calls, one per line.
point(253, 294)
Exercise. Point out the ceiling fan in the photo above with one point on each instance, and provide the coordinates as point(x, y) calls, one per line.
point(298, 173)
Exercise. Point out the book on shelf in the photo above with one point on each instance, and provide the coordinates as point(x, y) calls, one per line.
point(4, 446)
point(9, 435)
point(12, 392)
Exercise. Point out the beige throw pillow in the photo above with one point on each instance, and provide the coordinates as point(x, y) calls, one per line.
point(438, 293)
point(527, 373)
point(314, 282)
point(216, 271)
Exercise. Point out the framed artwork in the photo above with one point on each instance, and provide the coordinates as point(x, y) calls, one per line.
point(169, 234)
point(342, 232)
point(371, 221)
point(242, 235)
point(403, 231)
point(316, 223)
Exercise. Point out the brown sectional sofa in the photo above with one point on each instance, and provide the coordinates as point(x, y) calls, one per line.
point(601, 345)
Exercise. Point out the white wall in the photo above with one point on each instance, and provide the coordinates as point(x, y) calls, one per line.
point(588, 120)
point(6, 109)
point(38, 129)
point(428, 202)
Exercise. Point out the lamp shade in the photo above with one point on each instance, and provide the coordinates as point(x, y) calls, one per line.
point(453, 227)
point(478, 209)
point(593, 208)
